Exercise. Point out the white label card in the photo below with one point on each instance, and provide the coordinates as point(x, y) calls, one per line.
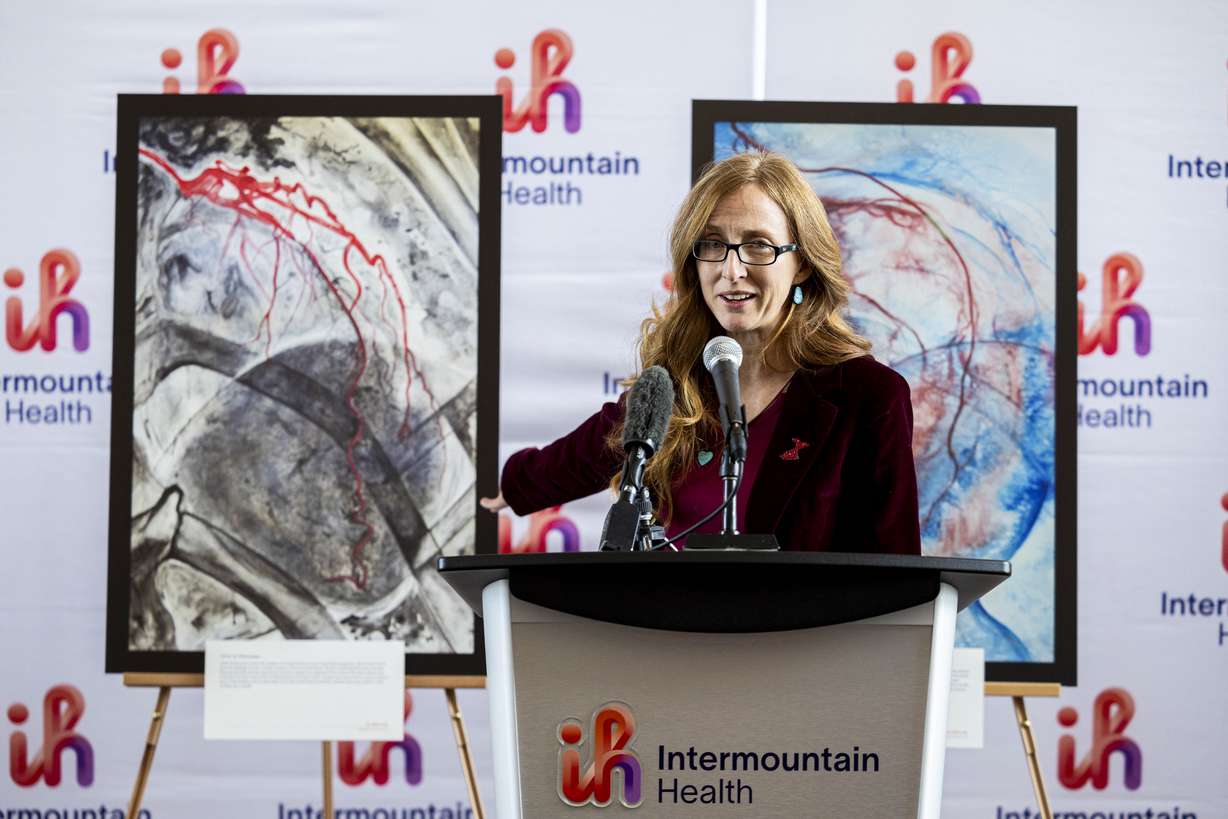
point(966, 715)
point(304, 689)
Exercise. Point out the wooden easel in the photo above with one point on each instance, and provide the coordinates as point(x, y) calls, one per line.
point(1017, 691)
point(165, 682)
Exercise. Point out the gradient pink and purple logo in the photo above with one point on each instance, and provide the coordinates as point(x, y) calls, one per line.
point(375, 763)
point(217, 50)
point(950, 56)
point(542, 525)
point(1113, 709)
point(1119, 278)
point(58, 273)
point(63, 707)
point(1223, 534)
point(552, 51)
point(613, 731)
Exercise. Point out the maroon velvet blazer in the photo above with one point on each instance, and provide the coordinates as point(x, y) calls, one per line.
point(852, 486)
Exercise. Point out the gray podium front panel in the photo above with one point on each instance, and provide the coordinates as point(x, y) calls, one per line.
point(844, 705)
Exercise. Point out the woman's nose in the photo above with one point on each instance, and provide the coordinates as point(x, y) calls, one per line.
point(733, 269)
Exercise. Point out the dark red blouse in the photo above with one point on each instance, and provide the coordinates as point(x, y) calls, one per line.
point(836, 471)
point(701, 489)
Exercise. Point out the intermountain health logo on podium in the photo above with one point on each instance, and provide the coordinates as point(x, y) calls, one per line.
point(612, 732)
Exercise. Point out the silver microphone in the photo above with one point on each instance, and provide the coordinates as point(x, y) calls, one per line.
point(722, 358)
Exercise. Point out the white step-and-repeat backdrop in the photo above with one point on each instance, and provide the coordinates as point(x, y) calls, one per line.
point(587, 202)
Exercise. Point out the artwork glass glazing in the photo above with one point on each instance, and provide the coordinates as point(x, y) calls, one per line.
point(947, 236)
point(304, 390)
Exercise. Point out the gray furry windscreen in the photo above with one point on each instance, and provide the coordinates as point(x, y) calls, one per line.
point(305, 379)
point(649, 406)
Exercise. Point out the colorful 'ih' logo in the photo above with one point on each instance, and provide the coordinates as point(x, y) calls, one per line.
point(217, 50)
point(552, 52)
point(57, 275)
point(374, 764)
point(63, 707)
point(613, 731)
point(950, 57)
point(1114, 708)
point(1120, 277)
point(535, 540)
point(1223, 534)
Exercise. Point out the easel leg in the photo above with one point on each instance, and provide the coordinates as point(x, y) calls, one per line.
point(1029, 750)
point(151, 745)
point(328, 779)
point(462, 747)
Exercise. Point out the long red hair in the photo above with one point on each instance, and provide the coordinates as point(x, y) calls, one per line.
point(812, 334)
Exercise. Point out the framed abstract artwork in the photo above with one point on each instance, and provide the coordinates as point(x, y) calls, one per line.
point(956, 225)
point(305, 373)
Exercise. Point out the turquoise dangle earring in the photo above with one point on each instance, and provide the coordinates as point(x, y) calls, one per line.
point(797, 294)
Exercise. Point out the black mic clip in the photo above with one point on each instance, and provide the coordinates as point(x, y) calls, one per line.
point(734, 455)
point(628, 525)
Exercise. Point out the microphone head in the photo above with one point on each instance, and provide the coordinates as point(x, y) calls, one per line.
point(649, 406)
point(722, 348)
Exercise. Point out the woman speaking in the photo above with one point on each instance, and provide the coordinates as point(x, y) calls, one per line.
point(829, 460)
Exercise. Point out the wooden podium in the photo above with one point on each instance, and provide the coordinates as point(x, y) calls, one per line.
point(727, 683)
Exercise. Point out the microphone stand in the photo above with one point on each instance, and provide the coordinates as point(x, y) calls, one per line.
point(629, 523)
point(732, 462)
point(731, 474)
point(649, 536)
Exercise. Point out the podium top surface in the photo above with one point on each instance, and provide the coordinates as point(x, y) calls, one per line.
point(725, 590)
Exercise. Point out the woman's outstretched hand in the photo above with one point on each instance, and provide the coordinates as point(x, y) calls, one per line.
point(493, 504)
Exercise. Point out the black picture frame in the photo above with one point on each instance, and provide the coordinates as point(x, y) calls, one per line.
point(706, 114)
point(132, 108)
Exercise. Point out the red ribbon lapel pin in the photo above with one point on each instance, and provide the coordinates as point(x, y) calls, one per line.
point(792, 454)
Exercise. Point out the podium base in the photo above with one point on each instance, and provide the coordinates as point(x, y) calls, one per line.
point(743, 542)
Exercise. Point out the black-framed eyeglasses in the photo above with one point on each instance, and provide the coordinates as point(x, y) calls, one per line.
point(757, 252)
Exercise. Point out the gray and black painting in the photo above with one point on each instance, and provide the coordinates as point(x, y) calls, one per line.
point(305, 380)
